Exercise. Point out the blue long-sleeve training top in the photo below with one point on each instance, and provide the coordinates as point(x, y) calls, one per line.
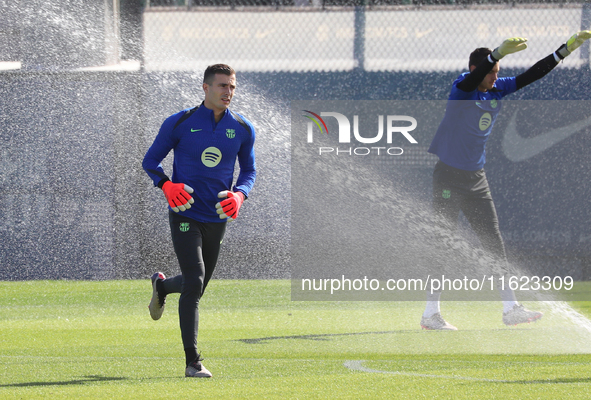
point(205, 154)
point(460, 140)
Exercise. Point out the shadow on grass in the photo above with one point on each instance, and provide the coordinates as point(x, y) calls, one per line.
point(327, 336)
point(82, 381)
point(324, 336)
point(557, 380)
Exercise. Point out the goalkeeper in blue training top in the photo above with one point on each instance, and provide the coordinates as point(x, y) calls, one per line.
point(459, 181)
point(206, 140)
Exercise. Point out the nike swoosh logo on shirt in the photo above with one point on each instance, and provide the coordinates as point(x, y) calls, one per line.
point(196, 130)
point(517, 148)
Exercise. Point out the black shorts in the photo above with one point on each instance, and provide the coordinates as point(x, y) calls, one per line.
point(456, 190)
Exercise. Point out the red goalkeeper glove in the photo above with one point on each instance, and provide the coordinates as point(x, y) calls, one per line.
point(178, 195)
point(229, 207)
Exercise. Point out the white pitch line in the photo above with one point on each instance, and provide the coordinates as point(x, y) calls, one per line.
point(357, 365)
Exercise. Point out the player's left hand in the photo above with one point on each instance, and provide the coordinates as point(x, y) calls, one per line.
point(573, 43)
point(229, 207)
point(577, 40)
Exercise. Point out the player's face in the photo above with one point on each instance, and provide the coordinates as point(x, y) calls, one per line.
point(219, 93)
point(489, 80)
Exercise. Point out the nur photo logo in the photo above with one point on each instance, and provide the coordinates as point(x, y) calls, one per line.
point(389, 127)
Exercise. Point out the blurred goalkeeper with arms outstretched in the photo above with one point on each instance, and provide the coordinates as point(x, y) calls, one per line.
point(459, 181)
point(206, 141)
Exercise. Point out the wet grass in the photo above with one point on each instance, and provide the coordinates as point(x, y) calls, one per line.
point(80, 339)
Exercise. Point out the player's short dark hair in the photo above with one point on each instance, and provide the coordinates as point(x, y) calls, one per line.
point(212, 70)
point(478, 55)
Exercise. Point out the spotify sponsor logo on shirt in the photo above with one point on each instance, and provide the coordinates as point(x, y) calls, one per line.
point(485, 121)
point(211, 157)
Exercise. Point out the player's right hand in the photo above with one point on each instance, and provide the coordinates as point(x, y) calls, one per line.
point(178, 195)
point(509, 46)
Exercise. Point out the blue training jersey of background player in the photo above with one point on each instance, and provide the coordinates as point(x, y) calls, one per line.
point(205, 154)
point(460, 140)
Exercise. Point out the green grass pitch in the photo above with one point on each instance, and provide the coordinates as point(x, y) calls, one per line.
point(95, 340)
